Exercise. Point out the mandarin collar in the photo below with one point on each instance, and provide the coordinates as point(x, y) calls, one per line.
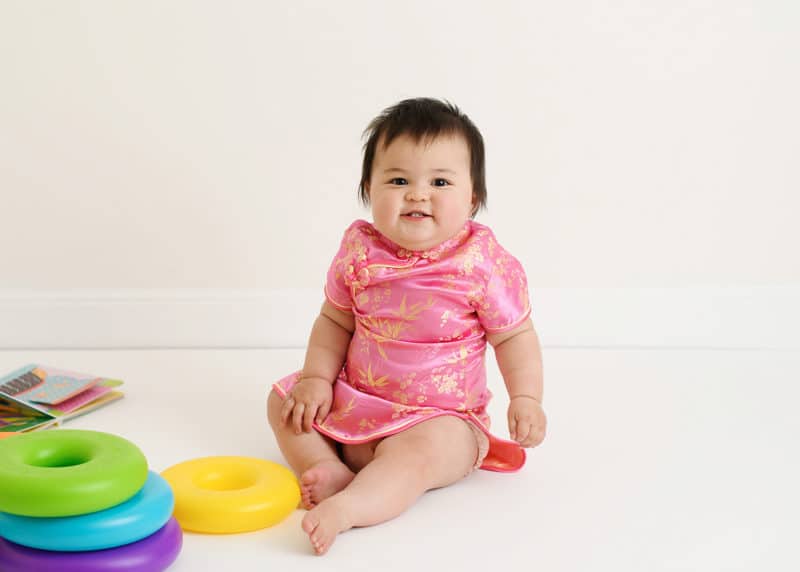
point(433, 253)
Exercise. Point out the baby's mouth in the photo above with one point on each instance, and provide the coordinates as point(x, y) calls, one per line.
point(416, 215)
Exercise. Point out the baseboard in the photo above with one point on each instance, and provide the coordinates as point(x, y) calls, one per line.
point(710, 318)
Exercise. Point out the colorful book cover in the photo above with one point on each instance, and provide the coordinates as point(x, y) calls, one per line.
point(15, 416)
point(37, 396)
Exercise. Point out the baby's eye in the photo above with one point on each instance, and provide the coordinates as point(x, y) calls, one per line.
point(440, 182)
point(401, 180)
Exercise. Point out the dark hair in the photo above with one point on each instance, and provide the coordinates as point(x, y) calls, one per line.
point(425, 118)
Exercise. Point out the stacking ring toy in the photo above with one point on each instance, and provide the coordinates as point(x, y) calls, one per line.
point(62, 472)
point(140, 516)
point(153, 554)
point(231, 494)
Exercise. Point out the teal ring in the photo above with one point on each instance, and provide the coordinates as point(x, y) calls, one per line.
point(138, 517)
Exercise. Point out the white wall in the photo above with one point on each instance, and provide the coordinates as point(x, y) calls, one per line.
point(183, 145)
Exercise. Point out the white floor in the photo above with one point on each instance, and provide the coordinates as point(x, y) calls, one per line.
point(655, 460)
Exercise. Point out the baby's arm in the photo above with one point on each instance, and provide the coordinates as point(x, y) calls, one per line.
point(519, 358)
point(310, 399)
point(328, 343)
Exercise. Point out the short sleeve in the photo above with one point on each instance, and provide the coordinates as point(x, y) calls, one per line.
point(337, 290)
point(504, 304)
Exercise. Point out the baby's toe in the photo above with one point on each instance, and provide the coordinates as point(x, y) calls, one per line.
point(321, 540)
point(310, 522)
point(306, 498)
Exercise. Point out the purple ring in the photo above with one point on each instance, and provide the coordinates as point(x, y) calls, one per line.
point(152, 554)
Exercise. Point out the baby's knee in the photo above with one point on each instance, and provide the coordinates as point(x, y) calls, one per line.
point(434, 447)
point(274, 404)
point(445, 433)
point(419, 447)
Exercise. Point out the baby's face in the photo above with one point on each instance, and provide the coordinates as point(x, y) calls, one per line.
point(421, 193)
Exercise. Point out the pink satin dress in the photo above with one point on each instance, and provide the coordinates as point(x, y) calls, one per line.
point(421, 319)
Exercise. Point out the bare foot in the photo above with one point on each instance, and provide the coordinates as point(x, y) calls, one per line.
point(322, 481)
point(324, 522)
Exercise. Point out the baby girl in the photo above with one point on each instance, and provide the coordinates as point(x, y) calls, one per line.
point(391, 401)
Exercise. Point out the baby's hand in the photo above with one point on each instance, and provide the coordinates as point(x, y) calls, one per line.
point(527, 422)
point(309, 401)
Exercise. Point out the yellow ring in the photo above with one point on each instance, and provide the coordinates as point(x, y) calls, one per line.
point(231, 494)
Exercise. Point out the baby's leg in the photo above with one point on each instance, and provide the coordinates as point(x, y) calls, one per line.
point(312, 456)
point(359, 456)
point(432, 454)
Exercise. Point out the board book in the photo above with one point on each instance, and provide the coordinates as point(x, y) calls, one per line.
point(38, 396)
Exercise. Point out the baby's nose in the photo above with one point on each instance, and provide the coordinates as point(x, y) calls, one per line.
point(416, 193)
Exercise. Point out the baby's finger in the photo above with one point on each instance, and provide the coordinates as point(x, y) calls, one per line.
point(531, 441)
point(297, 417)
point(537, 436)
point(523, 430)
point(308, 417)
point(322, 412)
point(286, 408)
point(512, 427)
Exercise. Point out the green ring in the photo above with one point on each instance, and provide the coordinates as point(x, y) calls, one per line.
point(68, 472)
